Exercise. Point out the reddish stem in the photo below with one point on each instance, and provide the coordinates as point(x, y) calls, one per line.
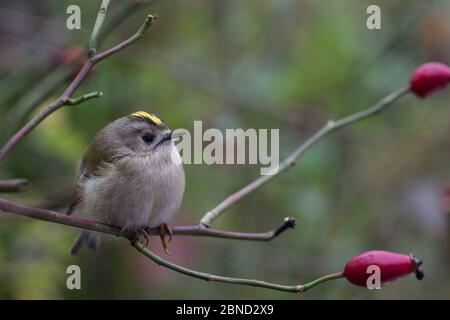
point(82, 223)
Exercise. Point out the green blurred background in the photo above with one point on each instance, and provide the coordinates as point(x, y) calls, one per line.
point(380, 184)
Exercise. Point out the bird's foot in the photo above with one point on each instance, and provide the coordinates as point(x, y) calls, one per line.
point(164, 231)
point(142, 236)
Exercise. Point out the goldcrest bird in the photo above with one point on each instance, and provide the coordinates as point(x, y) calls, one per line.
point(131, 176)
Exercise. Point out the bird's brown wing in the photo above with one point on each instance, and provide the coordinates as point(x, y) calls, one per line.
point(95, 157)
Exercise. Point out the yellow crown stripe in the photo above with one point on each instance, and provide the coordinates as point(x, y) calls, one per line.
point(148, 116)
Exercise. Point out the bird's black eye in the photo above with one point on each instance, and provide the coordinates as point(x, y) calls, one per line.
point(148, 138)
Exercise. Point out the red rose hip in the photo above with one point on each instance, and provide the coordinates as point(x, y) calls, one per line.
point(429, 78)
point(392, 266)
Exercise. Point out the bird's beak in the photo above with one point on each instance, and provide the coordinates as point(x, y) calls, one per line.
point(171, 136)
point(166, 137)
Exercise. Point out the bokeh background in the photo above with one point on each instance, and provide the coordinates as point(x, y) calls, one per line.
point(287, 64)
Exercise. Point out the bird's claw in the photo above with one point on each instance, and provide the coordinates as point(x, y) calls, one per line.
point(164, 231)
point(141, 234)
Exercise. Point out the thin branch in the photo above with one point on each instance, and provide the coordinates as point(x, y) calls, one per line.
point(201, 230)
point(14, 185)
point(240, 281)
point(56, 217)
point(83, 98)
point(290, 161)
point(151, 19)
point(97, 26)
point(82, 223)
point(116, 18)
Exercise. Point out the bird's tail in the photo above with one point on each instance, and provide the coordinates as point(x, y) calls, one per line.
point(90, 239)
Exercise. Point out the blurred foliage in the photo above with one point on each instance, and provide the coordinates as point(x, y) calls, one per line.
point(283, 64)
